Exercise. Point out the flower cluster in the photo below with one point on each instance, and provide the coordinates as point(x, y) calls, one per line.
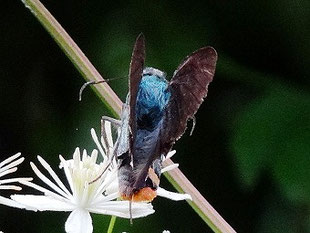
point(93, 187)
point(9, 166)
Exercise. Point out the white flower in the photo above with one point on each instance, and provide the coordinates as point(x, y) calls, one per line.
point(108, 143)
point(8, 166)
point(85, 194)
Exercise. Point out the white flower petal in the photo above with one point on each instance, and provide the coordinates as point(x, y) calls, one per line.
point(170, 154)
point(173, 196)
point(42, 203)
point(121, 209)
point(8, 160)
point(46, 180)
point(41, 189)
point(13, 164)
point(112, 187)
point(12, 187)
point(9, 202)
point(169, 167)
point(11, 180)
point(79, 221)
point(5, 171)
point(102, 198)
point(6, 167)
point(108, 183)
point(98, 144)
point(53, 175)
point(66, 168)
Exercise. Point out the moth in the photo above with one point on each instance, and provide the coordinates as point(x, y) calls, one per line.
point(155, 115)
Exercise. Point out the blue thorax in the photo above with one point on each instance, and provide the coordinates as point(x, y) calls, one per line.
point(152, 98)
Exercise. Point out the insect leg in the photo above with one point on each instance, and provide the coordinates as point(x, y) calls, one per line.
point(112, 121)
point(193, 125)
point(130, 212)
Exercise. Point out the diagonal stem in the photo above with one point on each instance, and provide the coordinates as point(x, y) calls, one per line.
point(74, 53)
point(202, 207)
point(111, 224)
point(105, 93)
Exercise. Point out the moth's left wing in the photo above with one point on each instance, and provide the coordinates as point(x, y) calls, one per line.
point(188, 86)
point(135, 76)
point(128, 128)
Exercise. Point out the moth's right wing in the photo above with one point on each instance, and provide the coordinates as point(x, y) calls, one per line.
point(188, 87)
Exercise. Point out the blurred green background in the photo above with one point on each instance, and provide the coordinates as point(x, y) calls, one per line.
point(250, 151)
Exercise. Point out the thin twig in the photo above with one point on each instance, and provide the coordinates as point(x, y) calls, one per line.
point(75, 54)
point(202, 207)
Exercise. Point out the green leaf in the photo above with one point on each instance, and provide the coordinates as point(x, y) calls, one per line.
point(281, 216)
point(273, 134)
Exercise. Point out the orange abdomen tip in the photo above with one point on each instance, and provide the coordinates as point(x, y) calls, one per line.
point(146, 194)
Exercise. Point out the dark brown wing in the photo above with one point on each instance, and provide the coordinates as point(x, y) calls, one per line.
point(188, 86)
point(135, 75)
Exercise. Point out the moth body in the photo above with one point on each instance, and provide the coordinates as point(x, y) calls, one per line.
point(155, 115)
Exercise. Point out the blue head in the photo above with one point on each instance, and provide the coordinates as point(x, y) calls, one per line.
point(152, 98)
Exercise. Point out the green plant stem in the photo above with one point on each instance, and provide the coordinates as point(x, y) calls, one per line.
point(88, 71)
point(111, 224)
point(202, 207)
point(75, 54)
